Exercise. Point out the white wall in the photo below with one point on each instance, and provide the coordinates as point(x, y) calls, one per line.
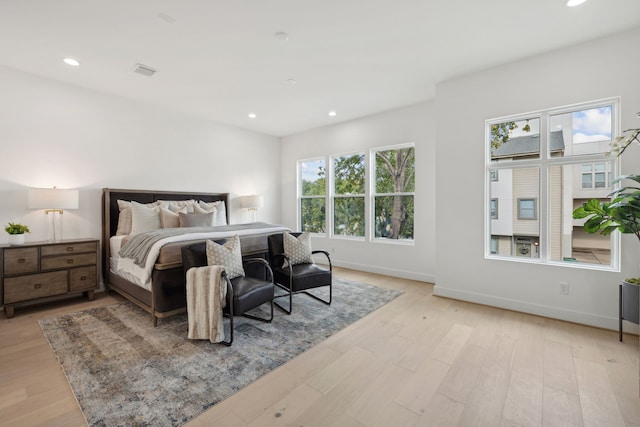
point(56, 134)
point(411, 124)
point(595, 70)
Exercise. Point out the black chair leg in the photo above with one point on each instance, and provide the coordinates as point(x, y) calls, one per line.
point(290, 295)
point(262, 319)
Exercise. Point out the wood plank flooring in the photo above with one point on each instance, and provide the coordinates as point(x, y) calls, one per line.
point(418, 361)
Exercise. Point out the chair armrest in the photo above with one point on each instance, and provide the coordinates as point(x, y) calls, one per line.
point(264, 263)
point(320, 251)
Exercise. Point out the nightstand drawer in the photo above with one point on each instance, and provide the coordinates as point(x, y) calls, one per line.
point(82, 278)
point(67, 249)
point(32, 286)
point(51, 263)
point(18, 261)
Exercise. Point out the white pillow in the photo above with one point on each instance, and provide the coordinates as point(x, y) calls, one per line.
point(221, 209)
point(180, 205)
point(228, 255)
point(144, 218)
point(125, 216)
point(298, 249)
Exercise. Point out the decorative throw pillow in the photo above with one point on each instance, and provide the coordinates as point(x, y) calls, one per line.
point(228, 255)
point(298, 249)
point(170, 219)
point(196, 220)
point(144, 218)
point(221, 215)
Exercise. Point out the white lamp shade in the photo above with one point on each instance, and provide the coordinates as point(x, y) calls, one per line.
point(53, 198)
point(252, 202)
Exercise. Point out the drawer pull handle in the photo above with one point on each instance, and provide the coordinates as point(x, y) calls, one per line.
point(37, 285)
point(69, 248)
point(83, 277)
point(21, 261)
point(69, 261)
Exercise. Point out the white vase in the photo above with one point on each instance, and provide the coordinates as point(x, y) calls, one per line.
point(16, 239)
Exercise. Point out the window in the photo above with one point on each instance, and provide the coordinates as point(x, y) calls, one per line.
point(393, 192)
point(494, 245)
point(312, 199)
point(596, 175)
point(549, 163)
point(494, 208)
point(527, 209)
point(348, 195)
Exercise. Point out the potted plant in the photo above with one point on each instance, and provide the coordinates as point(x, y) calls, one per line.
point(622, 213)
point(16, 233)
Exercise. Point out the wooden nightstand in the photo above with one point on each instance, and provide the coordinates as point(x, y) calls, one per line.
point(39, 270)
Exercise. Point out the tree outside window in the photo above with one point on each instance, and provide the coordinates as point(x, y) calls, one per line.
point(349, 195)
point(312, 175)
point(394, 190)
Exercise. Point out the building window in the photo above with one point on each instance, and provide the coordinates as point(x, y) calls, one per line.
point(393, 192)
point(527, 209)
point(596, 175)
point(494, 245)
point(312, 195)
point(494, 208)
point(349, 195)
point(549, 163)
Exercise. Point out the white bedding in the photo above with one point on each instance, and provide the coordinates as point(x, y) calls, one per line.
point(141, 276)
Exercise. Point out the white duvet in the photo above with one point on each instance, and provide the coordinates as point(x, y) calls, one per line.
point(141, 275)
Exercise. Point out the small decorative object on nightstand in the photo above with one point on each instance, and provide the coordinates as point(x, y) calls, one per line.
point(35, 271)
point(16, 233)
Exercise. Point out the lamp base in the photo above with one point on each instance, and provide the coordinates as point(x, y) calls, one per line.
point(55, 225)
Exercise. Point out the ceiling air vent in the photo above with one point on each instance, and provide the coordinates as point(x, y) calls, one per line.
point(145, 70)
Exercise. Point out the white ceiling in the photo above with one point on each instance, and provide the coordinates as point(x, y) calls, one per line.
point(219, 59)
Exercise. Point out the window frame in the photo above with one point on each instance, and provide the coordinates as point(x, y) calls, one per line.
point(494, 212)
point(535, 208)
point(301, 196)
point(545, 163)
point(373, 194)
point(333, 195)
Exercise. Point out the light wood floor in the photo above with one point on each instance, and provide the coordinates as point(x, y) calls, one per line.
point(419, 360)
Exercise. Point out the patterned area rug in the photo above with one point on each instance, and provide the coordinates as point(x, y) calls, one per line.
point(125, 372)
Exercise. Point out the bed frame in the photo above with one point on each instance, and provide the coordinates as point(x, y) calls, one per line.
point(168, 293)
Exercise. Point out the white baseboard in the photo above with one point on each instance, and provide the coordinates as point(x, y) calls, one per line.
point(583, 318)
point(403, 274)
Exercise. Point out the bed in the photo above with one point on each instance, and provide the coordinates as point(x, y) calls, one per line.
point(156, 282)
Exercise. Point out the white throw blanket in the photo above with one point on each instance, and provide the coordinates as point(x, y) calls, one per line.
point(206, 297)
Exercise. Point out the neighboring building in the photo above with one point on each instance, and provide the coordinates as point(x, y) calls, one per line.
point(515, 195)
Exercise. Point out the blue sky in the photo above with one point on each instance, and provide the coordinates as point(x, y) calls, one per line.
point(592, 125)
point(309, 169)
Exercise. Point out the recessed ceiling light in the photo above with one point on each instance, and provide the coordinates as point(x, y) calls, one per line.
point(252, 115)
point(292, 81)
point(573, 3)
point(281, 35)
point(71, 61)
point(332, 113)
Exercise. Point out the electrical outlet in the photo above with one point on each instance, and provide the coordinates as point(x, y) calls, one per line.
point(564, 288)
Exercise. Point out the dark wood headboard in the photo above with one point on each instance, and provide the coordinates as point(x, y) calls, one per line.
point(110, 211)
